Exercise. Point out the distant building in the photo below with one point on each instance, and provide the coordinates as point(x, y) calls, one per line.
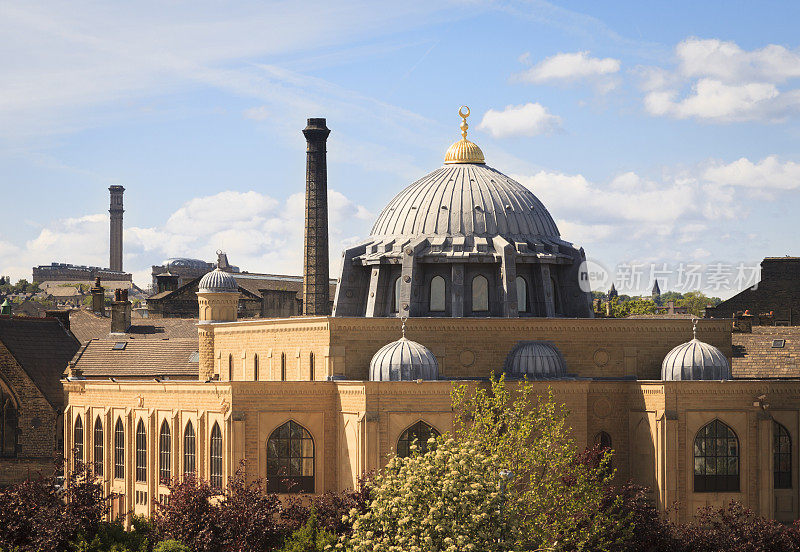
point(184, 270)
point(775, 300)
point(34, 354)
point(260, 295)
point(63, 272)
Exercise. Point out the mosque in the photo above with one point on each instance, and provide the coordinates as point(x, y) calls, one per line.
point(464, 274)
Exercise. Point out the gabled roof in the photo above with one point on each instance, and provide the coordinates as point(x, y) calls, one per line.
point(43, 348)
point(86, 325)
point(134, 358)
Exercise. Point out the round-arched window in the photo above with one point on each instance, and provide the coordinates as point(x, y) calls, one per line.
point(418, 433)
point(716, 459)
point(290, 460)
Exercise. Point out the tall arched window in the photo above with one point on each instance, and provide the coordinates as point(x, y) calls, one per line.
point(164, 453)
point(311, 366)
point(782, 453)
point(77, 438)
point(480, 294)
point(283, 366)
point(419, 432)
point(98, 447)
point(141, 453)
point(604, 440)
point(716, 459)
point(522, 294)
point(255, 368)
point(396, 294)
point(216, 457)
point(189, 444)
point(290, 460)
point(230, 367)
point(556, 295)
point(8, 426)
point(119, 450)
point(437, 299)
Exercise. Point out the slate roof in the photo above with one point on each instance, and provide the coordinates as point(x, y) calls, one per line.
point(43, 348)
point(252, 284)
point(140, 358)
point(86, 325)
point(754, 356)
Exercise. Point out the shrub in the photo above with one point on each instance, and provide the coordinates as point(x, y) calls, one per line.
point(170, 546)
point(309, 538)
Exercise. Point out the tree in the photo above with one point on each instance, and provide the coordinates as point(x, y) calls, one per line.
point(449, 499)
point(555, 496)
point(621, 309)
point(309, 538)
point(696, 302)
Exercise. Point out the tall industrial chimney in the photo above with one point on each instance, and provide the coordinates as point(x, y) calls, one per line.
point(316, 290)
point(115, 243)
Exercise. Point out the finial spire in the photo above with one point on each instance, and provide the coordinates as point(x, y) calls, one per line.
point(403, 325)
point(464, 151)
point(694, 328)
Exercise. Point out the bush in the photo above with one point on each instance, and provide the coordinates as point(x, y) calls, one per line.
point(309, 538)
point(171, 546)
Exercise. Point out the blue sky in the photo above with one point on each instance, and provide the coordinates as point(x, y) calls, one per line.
point(653, 134)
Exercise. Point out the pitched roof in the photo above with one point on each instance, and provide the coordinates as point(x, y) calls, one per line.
point(252, 283)
point(86, 325)
point(139, 358)
point(43, 348)
point(755, 357)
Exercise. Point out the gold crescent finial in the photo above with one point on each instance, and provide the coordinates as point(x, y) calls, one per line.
point(464, 125)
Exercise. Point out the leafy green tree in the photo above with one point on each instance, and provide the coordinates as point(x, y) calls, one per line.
point(696, 302)
point(621, 309)
point(557, 501)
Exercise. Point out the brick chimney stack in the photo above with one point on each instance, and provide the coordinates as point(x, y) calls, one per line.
point(120, 312)
point(115, 243)
point(316, 286)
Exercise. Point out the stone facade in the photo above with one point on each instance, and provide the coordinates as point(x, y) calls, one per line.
point(61, 272)
point(777, 295)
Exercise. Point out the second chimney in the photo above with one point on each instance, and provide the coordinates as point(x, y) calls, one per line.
point(120, 312)
point(316, 285)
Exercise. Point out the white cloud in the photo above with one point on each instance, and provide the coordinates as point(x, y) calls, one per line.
point(718, 81)
point(259, 233)
point(260, 113)
point(528, 119)
point(566, 67)
point(768, 173)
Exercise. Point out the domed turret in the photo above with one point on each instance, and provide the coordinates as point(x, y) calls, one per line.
point(403, 360)
point(535, 360)
point(695, 360)
point(218, 281)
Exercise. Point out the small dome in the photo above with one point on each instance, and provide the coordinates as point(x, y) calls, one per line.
point(218, 281)
point(403, 360)
point(464, 151)
point(695, 360)
point(535, 360)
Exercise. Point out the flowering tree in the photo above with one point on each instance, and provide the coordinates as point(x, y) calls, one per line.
point(448, 499)
point(557, 499)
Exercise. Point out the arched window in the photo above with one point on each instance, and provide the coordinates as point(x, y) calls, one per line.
point(311, 366)
point(283, 366)
point(255, 368)
point(164, 453)
point(556, 295)
point(396, 294)
point(437, 299)
point(604, 440)
point(141, 453)
point(522, 294)
point(716, 459)
point(419, 432)
point(480, 294)
point(189, 444)
point(230, 367)
point(290, 460)
point(77, 437)
point(216, 457)
point(782, 453)
point(119, 450)
point(8, 426)
point(98, 447)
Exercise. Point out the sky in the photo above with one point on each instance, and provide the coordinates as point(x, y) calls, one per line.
point(664, 138)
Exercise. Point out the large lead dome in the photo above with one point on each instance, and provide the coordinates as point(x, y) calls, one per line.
point(464, 240)
point(466, 200)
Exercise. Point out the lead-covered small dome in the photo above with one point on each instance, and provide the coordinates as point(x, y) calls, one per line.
point(535, 360)
point(218, 281)
point(403, 360)
point(695, 360)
